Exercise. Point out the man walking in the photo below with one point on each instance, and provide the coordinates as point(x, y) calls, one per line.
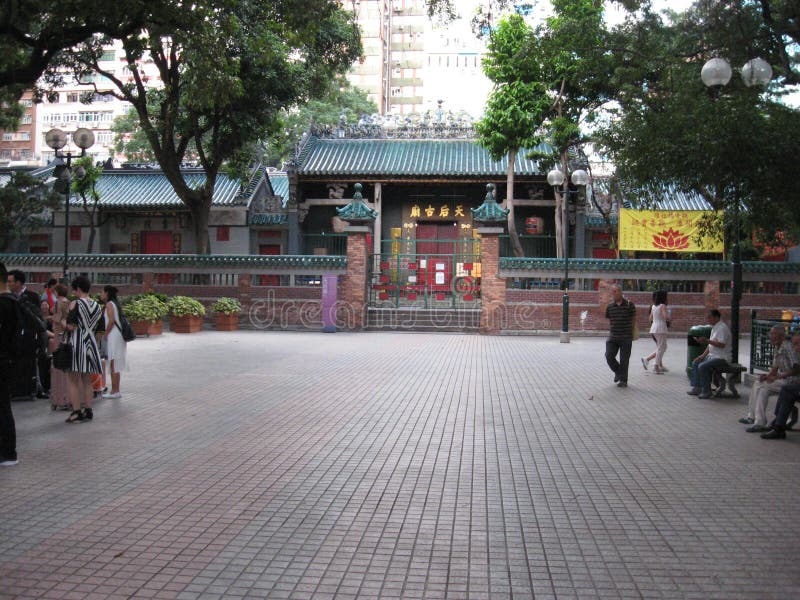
point(621, 315)
point(717, 354)
point(8, 329)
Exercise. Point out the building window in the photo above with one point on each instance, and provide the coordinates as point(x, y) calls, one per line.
point(26, 119)
point(8, 137)
point(75, 233)
point(27, 102)
point(25, 136)
point(104, 137)
point(108, 55)
point(25, 153)
point(224, 234)
point(73, 97)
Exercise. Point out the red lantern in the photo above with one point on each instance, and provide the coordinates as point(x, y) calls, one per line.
point(534, 226)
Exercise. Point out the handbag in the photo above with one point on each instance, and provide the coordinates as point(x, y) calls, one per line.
point(62, 357)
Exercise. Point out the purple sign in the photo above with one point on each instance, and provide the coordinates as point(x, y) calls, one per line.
point(329, 290)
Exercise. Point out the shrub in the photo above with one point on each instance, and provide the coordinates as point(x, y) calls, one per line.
point(227, 306)
point(182, 306)
point(126, 300)
point(145, 308)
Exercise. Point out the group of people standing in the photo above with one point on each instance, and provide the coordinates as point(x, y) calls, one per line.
point(93, 330)
point(782, 380)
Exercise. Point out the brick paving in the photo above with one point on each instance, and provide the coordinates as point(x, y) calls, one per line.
point(388, 465)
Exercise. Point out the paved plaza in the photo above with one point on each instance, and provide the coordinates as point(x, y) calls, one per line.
point(261, 464)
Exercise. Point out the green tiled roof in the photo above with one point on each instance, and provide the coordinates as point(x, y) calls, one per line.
point(141, 188)
point(637, 266)
point(280, 184)
point(356, 210)
point(489, 211)
point(164, 262)
point(398, 158)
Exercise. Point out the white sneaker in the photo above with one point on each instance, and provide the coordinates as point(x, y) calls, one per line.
point(113, 395)
point(644, 363)
point(8, 462)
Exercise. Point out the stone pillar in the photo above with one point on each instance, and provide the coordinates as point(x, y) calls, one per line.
point(245, 290)
point(377, 202)
point(354, 283)
point(711, 294)
point(493, 287)
point(147, 282)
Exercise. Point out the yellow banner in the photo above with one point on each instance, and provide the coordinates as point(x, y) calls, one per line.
point(665, 231)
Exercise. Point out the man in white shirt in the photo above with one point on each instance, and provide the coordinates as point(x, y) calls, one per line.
point(717, 354)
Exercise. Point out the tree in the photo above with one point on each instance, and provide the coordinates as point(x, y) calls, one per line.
point(84, 183)
point(732, 146)
point(25, 202)
point(560, 73)
point(130, 139)
point(226, 74)
point(34, 32)
point(340, 101)
point(515, 108)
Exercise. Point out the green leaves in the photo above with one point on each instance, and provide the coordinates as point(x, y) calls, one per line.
point(25, 203)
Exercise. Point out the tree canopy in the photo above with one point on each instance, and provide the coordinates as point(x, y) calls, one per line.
point(25, 202)
point(735, 146)
point(548, 80)
point(226, 75)
point(34, 32)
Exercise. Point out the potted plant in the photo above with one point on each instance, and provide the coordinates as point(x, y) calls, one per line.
point(145, 313)
point(186, 314)
point(226, 314)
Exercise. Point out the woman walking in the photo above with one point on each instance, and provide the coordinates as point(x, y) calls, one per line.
point(59, 397)
point(116, 347)
point(84, 314)
point(659, 330)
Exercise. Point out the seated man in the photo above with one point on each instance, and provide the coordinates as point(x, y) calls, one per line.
point(781, 373)
point(717, 354)
point(788, 395)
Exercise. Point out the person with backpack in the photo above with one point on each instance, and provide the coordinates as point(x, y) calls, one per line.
point(9, 327)
point(116, 346)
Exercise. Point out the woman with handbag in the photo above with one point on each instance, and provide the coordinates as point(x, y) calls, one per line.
point(58, 378)
point(116, 346)
point(84, 314)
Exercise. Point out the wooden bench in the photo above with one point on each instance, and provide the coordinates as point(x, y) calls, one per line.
point(727, 377)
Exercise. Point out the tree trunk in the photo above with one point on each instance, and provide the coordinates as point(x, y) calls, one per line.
point(516, 246)
point(200, 212)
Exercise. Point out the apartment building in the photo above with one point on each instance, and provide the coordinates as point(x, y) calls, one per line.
point(18, 148)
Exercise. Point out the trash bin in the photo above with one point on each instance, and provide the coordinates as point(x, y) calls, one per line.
point(693, 347)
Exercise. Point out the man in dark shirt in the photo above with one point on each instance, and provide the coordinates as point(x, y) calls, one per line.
point(621, 315)
point(8, 329)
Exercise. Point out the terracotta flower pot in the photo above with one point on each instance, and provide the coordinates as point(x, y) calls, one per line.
point(223, 322)
point(186, 324)
point(148, 328)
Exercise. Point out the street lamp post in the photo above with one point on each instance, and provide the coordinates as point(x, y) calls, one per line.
point(716, 74)
point(556, 179)
point(57, 139)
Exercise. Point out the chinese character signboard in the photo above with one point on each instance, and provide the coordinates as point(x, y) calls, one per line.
point(665, 231)
point(435, 210)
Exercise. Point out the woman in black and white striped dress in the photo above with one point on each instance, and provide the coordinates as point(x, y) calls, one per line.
point(84, 315)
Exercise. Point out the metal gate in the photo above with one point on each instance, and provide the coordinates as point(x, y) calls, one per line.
point(438, 279)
